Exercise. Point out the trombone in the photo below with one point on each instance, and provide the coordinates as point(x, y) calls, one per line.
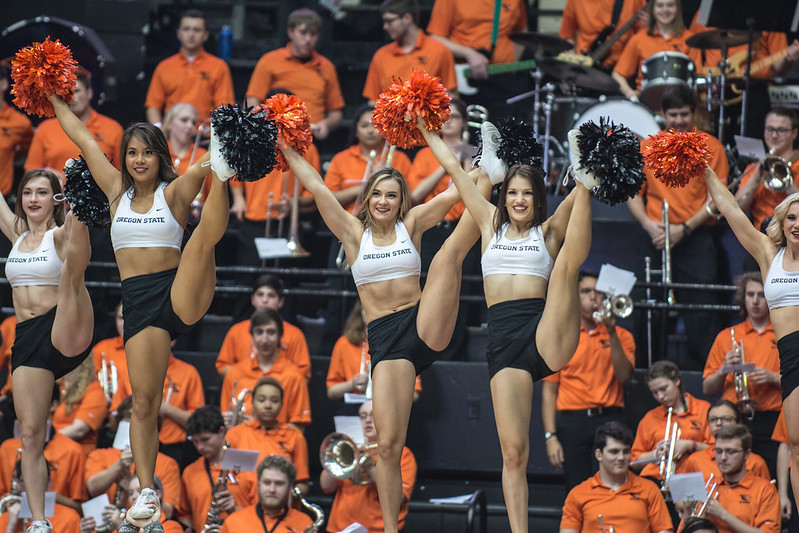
point(746, 404)
point(665, 268)
point(108, 378)
point(343, 459)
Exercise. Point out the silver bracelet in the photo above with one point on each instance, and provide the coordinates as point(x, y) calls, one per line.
point(710, 212)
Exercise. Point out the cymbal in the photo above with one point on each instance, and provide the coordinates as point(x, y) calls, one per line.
point(534, 41)
point(579, 75)
point(718, 38)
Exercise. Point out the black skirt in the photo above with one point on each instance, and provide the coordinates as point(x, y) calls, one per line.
point(788, 348)
point(395, 336)
point(511, 337)
point(33, 347)
point(146, 301)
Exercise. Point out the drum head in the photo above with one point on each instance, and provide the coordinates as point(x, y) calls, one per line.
point(636, 117)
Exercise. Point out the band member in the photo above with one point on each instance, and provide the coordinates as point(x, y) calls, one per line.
point(614, 496)
point(358, 502)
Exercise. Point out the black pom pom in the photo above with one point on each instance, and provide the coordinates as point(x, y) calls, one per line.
point(88, 201)
point(613, 154)
point(518, 146)
point(247, 141)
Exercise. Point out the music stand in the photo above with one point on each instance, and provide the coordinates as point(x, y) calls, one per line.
point(748, 15)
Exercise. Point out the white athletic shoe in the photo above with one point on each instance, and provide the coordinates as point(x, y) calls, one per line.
point(218, 163)
point(40, 526)
point(489, 161)
point(146, 505)
point(588, 179)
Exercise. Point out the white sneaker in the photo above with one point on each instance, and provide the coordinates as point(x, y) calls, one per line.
point(489, 161)
point(146, 505)
point(218, 163)
point(588, 179)
point(40, 526)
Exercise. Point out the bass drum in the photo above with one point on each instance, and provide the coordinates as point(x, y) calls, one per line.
point(565, 110)
point(637, 117)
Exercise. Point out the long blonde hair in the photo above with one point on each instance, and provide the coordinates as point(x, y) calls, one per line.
point(77, 388)
point(774, 228)
point(364, 215)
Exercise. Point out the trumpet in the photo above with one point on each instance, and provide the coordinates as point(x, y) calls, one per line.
point(699, 509)
point(108, 378)
point(780, 175)
point(319, 515)
point(619, 305)
point(665, 269)
point(343, 459)
point(746, 404)
point(237, 406)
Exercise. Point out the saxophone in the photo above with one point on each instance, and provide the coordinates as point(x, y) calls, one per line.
point(213, 519)
point(318, 514)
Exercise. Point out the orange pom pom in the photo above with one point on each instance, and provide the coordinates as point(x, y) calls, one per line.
point(39, 70)
point(677, 157)
point(398, 107)
point(293, 122)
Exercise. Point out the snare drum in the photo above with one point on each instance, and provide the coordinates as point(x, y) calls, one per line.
point(662, 70)
point(635, 116)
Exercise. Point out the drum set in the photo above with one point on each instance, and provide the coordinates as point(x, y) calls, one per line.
point(569, 91)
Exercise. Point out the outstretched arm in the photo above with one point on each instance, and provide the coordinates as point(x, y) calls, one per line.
point(757, 244)
point(103, 172)
point(341, 223)
point(480, 208)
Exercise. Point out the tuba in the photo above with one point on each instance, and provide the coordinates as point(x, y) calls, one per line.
point(746, 404)
point(343, 459)
point(318, 514)
point(780, 175)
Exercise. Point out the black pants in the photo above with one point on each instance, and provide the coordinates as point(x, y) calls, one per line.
point(576, 434)
point(761, 427)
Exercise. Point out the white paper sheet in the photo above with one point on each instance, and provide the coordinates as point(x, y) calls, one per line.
point(240, 460)
point(95, 508)
point(613, 280)
point(689, 487)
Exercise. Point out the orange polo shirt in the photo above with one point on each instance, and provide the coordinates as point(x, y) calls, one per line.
point(237, 347)
point(359, 503)
point(187, 394)
point(182, 163)
point(765, 200)
point(51, 147)
point(641, 46)
point(15, 137)
point(424, 164)
point(90, 408)
point(471, 24)
point(315, 81)
point(114, 352)
point(197, 483)
point(245, 374)
point(347, 169)
point(64, 520)
point(204, 82)
point(256, 193)
point(247, 520)
point(587, 380)
point(638, 505)
point(583, 21)
point(345, 362)
point(753, 500)
point(392, 61)
point(705, 461)
point(166, 469)
point(684, 202)
point(284, 440)
point(759, 348)
point(652, 428)
point(63, 453)
point(8, 333)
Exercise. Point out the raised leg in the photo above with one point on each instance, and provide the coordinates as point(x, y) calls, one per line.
point(195, 280)
point(73, 327)
point(512, 396)
point(32, 412)
point(393, 383)
point(559, 329)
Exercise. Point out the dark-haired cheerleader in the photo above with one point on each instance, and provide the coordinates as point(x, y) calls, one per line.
point(164, 290)
point(55, 322)
point(526, 257)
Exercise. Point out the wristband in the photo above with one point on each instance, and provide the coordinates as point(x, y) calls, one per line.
point(710, 212)
point(549, 434)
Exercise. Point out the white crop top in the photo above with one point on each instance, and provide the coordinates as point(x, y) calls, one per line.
point(381, 263)
point(782, 288)
point(157, 228)
point(42, 266)
point(528, 256)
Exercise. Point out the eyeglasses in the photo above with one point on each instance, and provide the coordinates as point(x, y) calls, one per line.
point(725, 419)
point(389, 20)
point(728, 453)
point(778, 131)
